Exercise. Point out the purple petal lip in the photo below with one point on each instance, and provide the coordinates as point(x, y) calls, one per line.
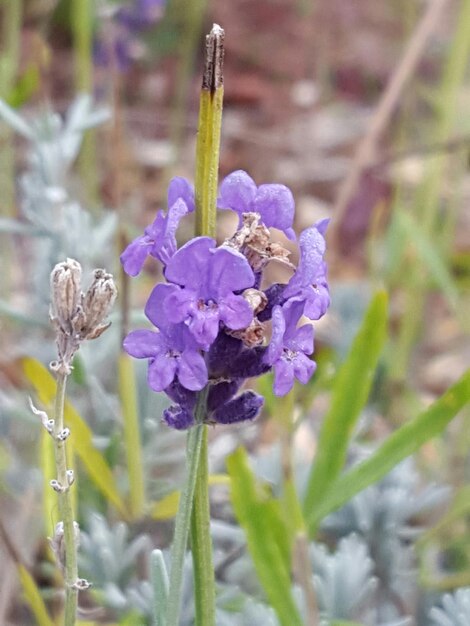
point(274, 203)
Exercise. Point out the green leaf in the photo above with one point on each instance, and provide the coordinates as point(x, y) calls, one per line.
point(349, 395)
point(33, 597)
point(267, 537)
point(93, 461)
point(402, 443)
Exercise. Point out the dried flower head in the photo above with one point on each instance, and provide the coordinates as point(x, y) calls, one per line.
point(77, 316)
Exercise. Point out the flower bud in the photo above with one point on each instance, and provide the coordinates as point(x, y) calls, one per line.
point(240, 409)
point(65, 292)
point(97, 303)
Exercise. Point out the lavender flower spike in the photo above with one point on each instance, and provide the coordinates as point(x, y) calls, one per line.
point(274, 203)
point(159, 238)
point(309, 283)
point(289, 347)
point(205, 279)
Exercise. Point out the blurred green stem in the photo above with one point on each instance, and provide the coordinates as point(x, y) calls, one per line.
point(133, 446)
point(65, 505)
point(428, 200)
point(82, 25)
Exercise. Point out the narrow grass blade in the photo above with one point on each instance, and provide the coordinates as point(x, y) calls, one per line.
point(349, 395)
point(33, 597)
point(132, 440)
point(430, 256)
point(93, 461)
point(268, 542)
point(401, 444)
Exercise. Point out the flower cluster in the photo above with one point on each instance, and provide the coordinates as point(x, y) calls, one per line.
point(213, 313)
point(129, 21)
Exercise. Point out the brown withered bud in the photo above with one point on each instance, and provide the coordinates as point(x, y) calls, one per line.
point(65, 293)
point(97, 303)
point(256, 299)
point(252, 336)
point(254, 241)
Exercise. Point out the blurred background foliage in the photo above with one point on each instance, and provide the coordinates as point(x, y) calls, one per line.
point(362, 109)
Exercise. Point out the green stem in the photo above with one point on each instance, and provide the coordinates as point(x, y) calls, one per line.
point(183, 517)
point(201, 544)
point(195, 491)
point(207, 169)
point(65, 507)
point(82, 24)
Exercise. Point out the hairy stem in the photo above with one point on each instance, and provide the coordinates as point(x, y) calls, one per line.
point(65, 506)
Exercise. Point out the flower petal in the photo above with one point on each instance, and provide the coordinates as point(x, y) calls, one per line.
point(237, 192)
point(155, 309)
point(302, 339)
point(189, 266)
point(303, 368)
point(283, 377)
point(275, 204)
point(161, 372)
point(204, 325)
point(229, 271)
point(192, 370)
point(235, 311)
point(181, 188)
point(276, 344)
point(179, 303)
point(133, 257)
point(143, 344)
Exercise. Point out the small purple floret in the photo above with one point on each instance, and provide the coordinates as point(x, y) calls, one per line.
point(159, 239)
point(171, 352)
point(289, 349)
point(177, 417)
point(202, 295)
point(241, 409)
point(309, 283)
point(274, 203)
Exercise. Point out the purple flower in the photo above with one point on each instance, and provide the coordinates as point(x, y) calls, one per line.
point(309, 283)
point(242, 408)
point(274, 203)
point(159, 238)
point(205, 279)
point(141, 14)
point(171, 351)
point(289, 347)
point(178, 417)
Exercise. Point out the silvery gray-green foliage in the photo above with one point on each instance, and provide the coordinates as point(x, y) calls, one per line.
point(344, 581)
point(389, 516)
point(455, 609)
point(108, 558)
point(62, 228)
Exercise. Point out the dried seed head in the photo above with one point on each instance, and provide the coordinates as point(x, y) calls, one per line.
point(253, 239)
point(252, 336)
point(65, 292)
point(97, 303)
point(256, 299)
point(76, 316)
